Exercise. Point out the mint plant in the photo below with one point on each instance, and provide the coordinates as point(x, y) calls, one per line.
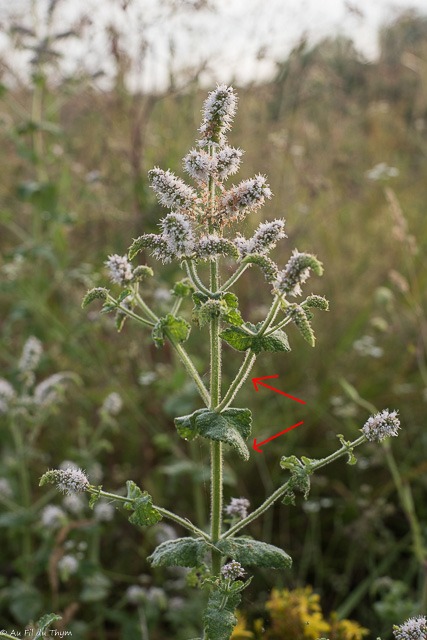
point(199, 233)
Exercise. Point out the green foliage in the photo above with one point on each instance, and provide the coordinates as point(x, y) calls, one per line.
point(251, 552)
point(177, 328)
point(183, 552)
point(44, 623)
point(219, 618)
point(240, 340)
point(224, 306)
point(141, 503)
point(183, 288)
point(232, 426)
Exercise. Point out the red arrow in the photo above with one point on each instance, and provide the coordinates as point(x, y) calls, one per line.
point(257, 445)
point(257, 381)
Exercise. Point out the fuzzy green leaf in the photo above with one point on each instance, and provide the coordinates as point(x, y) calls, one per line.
point(183, 288)
point(237, 338)
point(232, 426)
point(183, 552)
point(219, 618)
point(44, 624)
point(186, 425)
point(252, 552)
point(177, 328)
point(241, 341)
point(141, 503)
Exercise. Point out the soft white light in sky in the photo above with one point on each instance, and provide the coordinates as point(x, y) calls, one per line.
point(240, 39)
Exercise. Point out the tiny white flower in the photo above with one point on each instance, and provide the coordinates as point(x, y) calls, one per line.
point(112, 404)
point(67, 566)
point(31, 354)
point(5, 488)
point(382, 425)
point(120, 269)
point(232, 570)
point(412, 629)
point(53, 517)
point(103, 511)
point(238, 508)
point(136, 594)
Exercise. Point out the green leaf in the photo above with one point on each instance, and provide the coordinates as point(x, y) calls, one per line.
point(252, 552)
point(183, 288)
point(183, 552)
point(186, 425)
point(232, 426)
point(177, 328)
point(219, 618)
point(44, 624)
point(241, 341)
point(237, 338)
point(144, 514)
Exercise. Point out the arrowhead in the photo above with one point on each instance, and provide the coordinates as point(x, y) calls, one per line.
point(257, 381)
point(256, 446)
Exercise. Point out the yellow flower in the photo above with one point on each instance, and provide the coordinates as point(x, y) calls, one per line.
point(240, 632)
point(295, 615)
point(346, 629)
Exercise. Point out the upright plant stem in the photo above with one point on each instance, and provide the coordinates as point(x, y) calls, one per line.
point(215, 397)
point(216, 447)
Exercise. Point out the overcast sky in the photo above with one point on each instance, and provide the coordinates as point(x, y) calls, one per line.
point(240, 39)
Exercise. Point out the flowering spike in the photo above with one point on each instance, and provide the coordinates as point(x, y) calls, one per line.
point(264, 239)
point(244, 198)
point(227, 162)
point(411, 629)
point(317, 302)
point(199, 165)
point(7, 394)
point(141, 272)
point(232, 570)
point(211, 245)
point(238, 508)
point(120, 269)
point(219, 110)
point(296, 272)
point(299, 316)
point(31, 354)
point(380, 426)
point(98, 293)
point(178, 234)
point(69, 480)
point(267, 266)
point(171, 191)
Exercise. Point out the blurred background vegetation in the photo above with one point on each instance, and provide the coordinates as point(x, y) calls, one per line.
point(343, 143)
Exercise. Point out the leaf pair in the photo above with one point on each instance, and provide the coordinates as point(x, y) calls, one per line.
point(190, 552)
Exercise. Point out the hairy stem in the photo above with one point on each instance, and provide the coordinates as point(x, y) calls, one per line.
point(238, 381)
point(236, 275)
point(191, 270)
point(282, 490)
point(186, 524)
